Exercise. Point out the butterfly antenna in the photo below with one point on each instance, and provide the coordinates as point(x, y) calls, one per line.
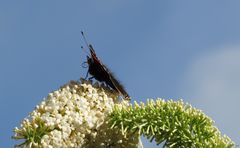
point(84, 38)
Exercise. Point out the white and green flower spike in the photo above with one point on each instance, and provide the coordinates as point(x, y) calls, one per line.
point(89, 115)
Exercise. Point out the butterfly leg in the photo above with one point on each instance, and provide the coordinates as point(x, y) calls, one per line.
point(90, 78)
point(86, 75)
point(107, 85)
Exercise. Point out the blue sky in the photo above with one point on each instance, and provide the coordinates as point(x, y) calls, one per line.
point(168, 49)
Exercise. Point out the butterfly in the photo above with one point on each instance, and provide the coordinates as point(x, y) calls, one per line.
point(101, 73)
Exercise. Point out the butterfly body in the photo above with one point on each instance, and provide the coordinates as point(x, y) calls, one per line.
point(101, 73)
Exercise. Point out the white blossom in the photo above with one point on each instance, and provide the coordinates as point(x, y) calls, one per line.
point(75, 116)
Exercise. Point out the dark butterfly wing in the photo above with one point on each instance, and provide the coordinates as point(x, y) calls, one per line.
point(119, 86)
point(107, 75)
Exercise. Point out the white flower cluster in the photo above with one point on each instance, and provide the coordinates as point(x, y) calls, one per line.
point(74, 116)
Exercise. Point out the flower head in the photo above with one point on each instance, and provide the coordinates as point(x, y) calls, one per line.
point(76, 115)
